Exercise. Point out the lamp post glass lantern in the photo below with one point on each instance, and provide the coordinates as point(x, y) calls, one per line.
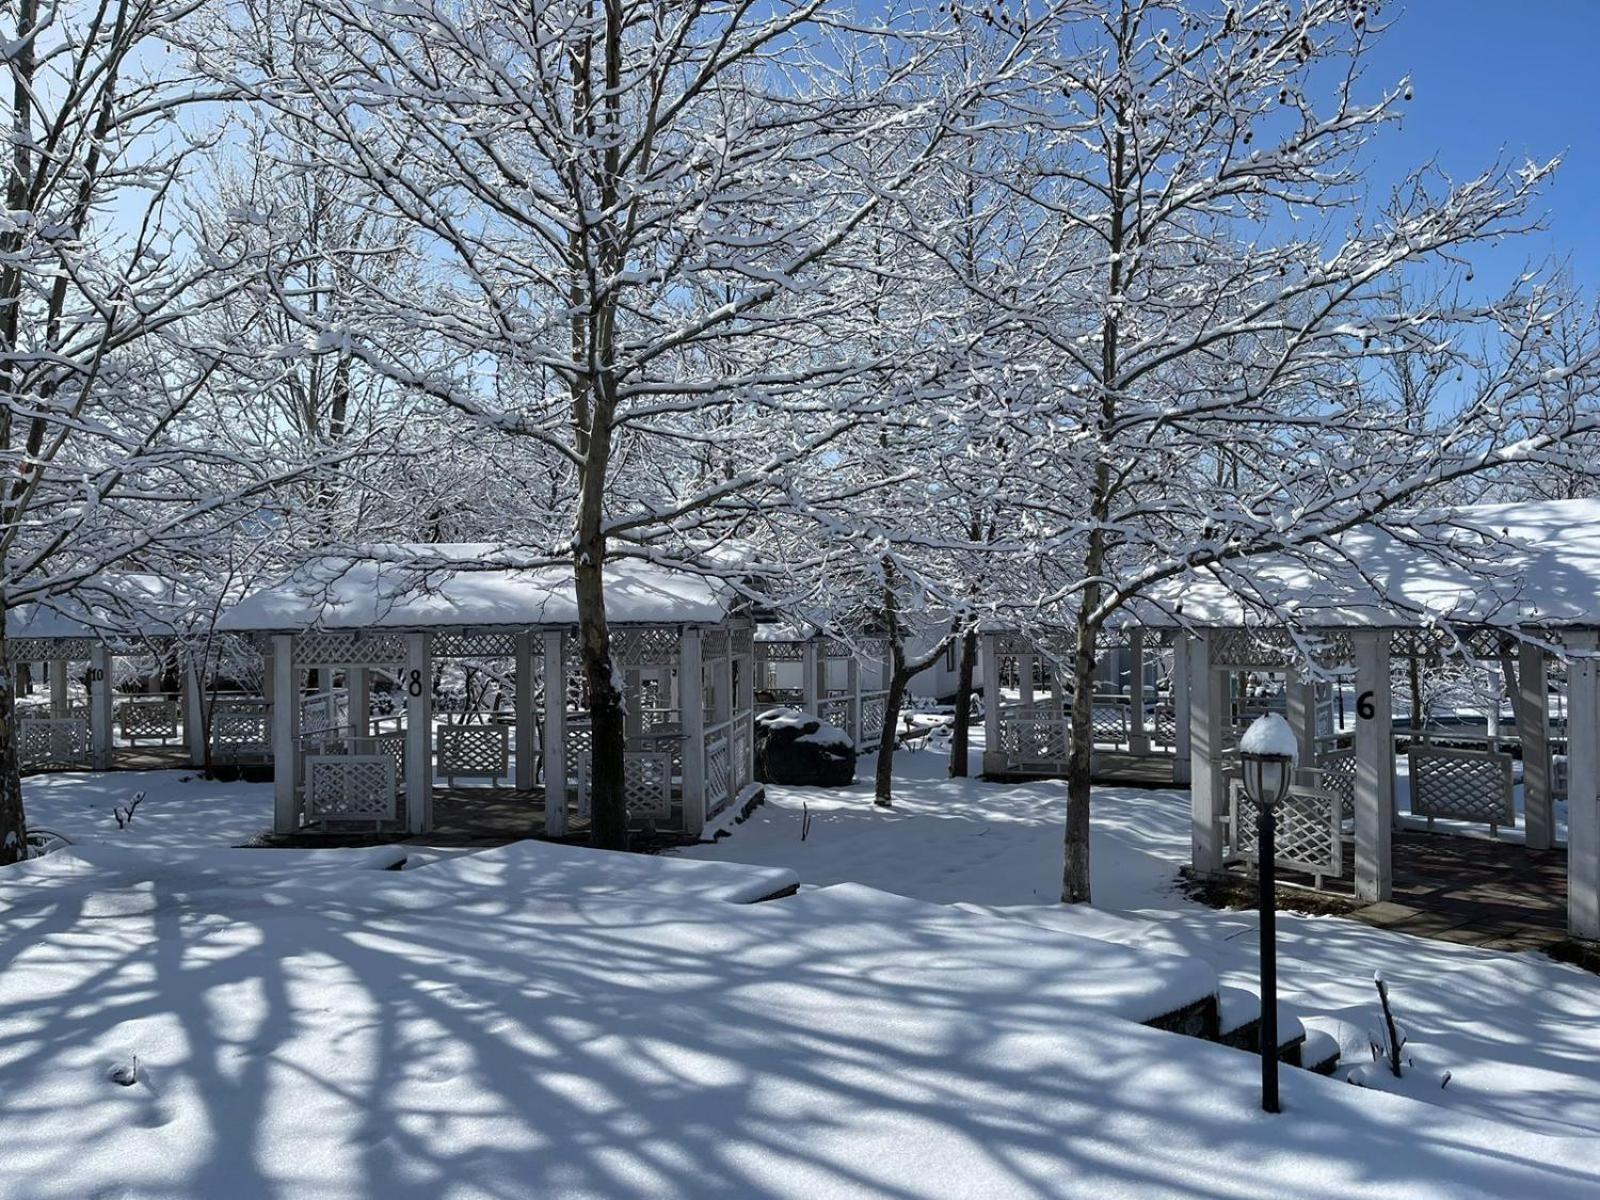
point(1267, 754)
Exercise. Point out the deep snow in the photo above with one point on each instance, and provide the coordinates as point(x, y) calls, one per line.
point(521, 1023)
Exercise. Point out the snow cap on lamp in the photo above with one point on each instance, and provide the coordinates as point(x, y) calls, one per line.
point(1268, 751)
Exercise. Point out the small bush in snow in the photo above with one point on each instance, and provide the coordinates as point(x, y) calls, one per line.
point(1388, 1043)
point(124, 814)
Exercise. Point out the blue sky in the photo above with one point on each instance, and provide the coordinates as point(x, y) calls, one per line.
point(1517, 75)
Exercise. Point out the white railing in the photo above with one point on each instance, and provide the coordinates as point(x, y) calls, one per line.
point(1309, 835)
point(45, 742)
point(148, 718)
point(874, 710)
point(241, 729)
point(473, 752)
point(343, 788)
point(1461, 785)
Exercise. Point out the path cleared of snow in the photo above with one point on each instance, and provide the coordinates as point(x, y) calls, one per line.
point(1520, 1033)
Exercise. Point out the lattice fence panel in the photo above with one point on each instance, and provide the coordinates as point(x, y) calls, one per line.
point(50, 649)
point(147, 720)
point(646, 647)
point(719, 775)
point(1338, 767)
point(1110, 723)
point(53, 742)
point(780, 651)
point(647, 784)
point(476, 644)
point(1274, 648)
point(350, 787)
point(874, 707)
point(474, 751)
point(744, 639)
point(1033, 739)
point(1308, 836)
point(333, 648)
point(714, 644)
point(836, 712)
point(1164, 725)
point(1464, 785)
point(241, 728)
point(742, 736)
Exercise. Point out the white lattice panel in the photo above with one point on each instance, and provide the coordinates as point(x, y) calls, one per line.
point(1110, 721)
point(742, 734)
point(148, 719)
point(1033, 739)
point(53, 742)
point(744, 639)
point(874, 707)
point(780, 651)
point(350, 787)
point(473, 645)
point(1463, 785)
point(332, 648)
point(719, 774)
point(50, 649)
point(647, 784)
point(1338, 767)
point(836, 712)
point(1308, 835)
point(474, 751)
point(241, 727)
point(646, 647)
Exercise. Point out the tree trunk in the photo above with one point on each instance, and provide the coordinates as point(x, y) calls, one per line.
point(883, 779)
point(960, 735)
point(608, 813)
point(13, 823)
point(1080, 768)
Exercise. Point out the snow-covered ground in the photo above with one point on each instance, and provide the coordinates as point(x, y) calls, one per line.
point(540, 1021)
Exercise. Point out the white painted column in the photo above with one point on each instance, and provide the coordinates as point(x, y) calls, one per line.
point(1208, 711)
point(194, 712)
point(1497, 692)
point(1533, 679)
point(1025, 679)
point(59, 702)
point(1182, 648)
point(1583, 787)
point(1300, 707)
point(810, 677)
point(358, 681)
point(745, 702)
point(555, 736)
point(523, 731)
point(417, 686)
point(100, 699)
point(994, 760)
point(852, 673)
point(1138, 735)
point(284, 690)
point(1374, 785)
point(692, 672)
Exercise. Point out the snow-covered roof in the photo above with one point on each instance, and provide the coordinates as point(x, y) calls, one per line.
point(1530, 564)
point(120, 606)
point(448, 586)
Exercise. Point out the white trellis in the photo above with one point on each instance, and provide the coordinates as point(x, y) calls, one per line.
point(241, 729)
point(350, 787)
point(53, 742)
point(1462, 785)
point(1309, 837)
point(473, 752)
point(148, 719)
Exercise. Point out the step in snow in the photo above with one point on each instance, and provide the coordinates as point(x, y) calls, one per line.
point(1319, 1052)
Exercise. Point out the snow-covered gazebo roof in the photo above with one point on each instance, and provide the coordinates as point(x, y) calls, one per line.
point(1501, 565)
point(438, 586)
point(121, 607)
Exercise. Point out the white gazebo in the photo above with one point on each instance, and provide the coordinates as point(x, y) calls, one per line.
point(1530, 600)
point(682, 642)
point(81, 634)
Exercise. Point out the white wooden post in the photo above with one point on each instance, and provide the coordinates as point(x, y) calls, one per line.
point(1182, 648)
point(285, 735)
point(1138, 735)
point(1583, 786)
point(692, 673)
point(1300, 706)
point(358, 682)
point(418, 688)
point(809, 677)
point(852, 672)
point(523, 779)
point(58, 688)
point(1374, 785)
point(555, 736)
point(1025, 680)
point(1497, 692)
point(100, 714)
point(1208, 708)
point(1533, 680)
point(194, 711)
point(745, 702)
point(994, 759)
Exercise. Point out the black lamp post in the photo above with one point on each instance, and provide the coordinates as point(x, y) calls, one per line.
point(1267, 753)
